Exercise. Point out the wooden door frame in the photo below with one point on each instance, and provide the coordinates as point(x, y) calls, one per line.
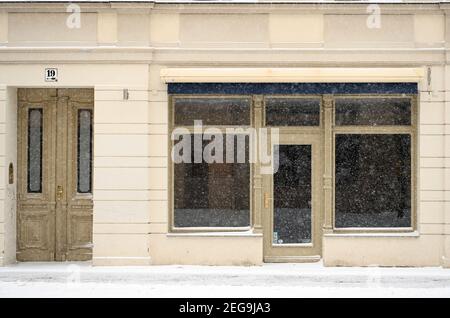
point(58, 169)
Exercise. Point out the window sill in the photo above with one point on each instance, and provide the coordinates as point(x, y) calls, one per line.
point(215, 234)
point(375, 234)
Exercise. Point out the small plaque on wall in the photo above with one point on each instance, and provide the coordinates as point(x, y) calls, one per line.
point(51, 74)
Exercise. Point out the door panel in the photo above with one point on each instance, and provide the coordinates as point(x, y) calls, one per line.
point(54, 222)
point(36, 204)
point(79, 178)
point(292, 208)
point(292, 195)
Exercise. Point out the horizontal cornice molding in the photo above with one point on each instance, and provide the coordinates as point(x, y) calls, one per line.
point(226, 56)
point(291, 75)
point(95, 49)
point(306, 7)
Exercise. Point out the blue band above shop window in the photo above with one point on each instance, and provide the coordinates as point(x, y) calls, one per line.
point(292, 88)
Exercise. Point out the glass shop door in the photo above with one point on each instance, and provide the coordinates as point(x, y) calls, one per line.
point(292, 218)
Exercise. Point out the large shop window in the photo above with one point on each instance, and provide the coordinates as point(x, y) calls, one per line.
point(212, 192)
point(373, 162)
point(367, 134)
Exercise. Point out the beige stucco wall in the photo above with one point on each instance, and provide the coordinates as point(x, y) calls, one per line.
point(446, 194)
point(125, 47)
point(121, 168)
point(3, 99)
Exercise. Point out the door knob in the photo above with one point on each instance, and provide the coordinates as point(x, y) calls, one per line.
point(59, 193)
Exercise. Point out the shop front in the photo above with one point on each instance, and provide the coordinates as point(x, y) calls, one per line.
point(161, 133)
point(316, 159)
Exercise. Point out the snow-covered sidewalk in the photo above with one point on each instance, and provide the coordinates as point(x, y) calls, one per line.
point(269, 280)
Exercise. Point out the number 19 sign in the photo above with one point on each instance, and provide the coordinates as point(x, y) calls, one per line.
point(51, 74)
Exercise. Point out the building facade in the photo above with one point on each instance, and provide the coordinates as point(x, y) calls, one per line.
point(96, 97)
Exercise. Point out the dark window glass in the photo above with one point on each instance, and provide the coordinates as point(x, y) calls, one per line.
point(292, 111)
point(373, 111)
point(212, 111)
point(34, 150)
point(213, 194)
point(373, 180)
point(84, 151)
point(292, 195)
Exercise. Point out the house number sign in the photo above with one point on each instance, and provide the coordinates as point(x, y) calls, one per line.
point(51, 74)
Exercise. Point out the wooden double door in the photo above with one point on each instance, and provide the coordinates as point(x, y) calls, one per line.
point(54, 175)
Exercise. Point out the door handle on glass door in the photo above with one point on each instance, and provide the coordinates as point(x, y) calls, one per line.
point(266, 200)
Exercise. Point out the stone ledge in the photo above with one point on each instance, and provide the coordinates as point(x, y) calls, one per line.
point(291, 75)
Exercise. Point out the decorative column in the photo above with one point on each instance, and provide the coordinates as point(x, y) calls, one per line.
point(328, 163)
point(257, 177)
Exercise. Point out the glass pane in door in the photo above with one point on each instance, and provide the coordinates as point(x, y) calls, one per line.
point(84, 151)
point(34, 165)
point(292, 195)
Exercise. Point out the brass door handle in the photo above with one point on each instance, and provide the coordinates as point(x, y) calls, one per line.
point(266, 200)
point(59, 193)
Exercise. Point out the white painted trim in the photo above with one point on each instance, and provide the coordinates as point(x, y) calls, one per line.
point(122, 257)
point(214, 234)
point(121, 261)
point(291, 75)
point(374, 234)
point(292, 259)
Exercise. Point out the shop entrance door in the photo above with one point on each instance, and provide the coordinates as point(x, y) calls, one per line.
point(292, 208)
